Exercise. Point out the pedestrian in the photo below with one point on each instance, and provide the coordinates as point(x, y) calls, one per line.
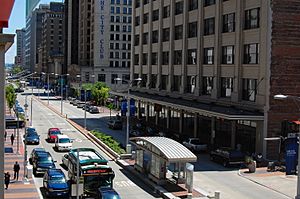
point(6, 179)
point(12, 138)
point(16, 170)
point(5, 135)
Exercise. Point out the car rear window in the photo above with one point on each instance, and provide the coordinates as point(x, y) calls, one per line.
point(55, 132)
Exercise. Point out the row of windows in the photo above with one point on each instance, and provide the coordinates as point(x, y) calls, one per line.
point(116, 64)
point(116, 28)
point(117, 19)
point(249, 86)
point(116, 46)
point(251, 56)
point(117, 10)
point(118, 2)
point(116, 55)
point(117, 37)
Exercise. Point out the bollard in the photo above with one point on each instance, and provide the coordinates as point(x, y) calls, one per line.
point(217, 194)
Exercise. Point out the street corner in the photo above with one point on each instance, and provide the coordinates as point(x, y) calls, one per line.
point(260, 172)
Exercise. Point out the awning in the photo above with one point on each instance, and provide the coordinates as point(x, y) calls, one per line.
point(169, 149)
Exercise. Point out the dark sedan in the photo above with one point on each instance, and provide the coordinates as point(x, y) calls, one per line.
point(32, 138)
point(94, 109)
point(107, 193)
point(227, 156)
point(55, 183)
point(114, 124)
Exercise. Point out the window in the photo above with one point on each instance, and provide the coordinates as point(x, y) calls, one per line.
point(126, 77)
point(113, 77)
point(136, 40)
point(190, 84)
point(193, 4)
point(153, 81)
point(192, 56)
point(164, 82)
point(137, 3)
point(144, 58)
point(155, 15)
point(228, 55)
point(145, 38)
point(101, 77)
point(192, 29)
point(177, 57)
point(178, 32)
point(144, 80)
point(178, 8)
point(252, 18)
point(209, 2)
point(166, 34)
point(146, 2)
point(176, 82)
point(249, 89)
point(207, 85)
point(251, 54)
point(124, 10)
point(229, 22)
point(209, 26)
point(146, 18)
point(155, 36)
point(154, 59)
point(208, 56)
point(137, 20)
point(166, 12)
point(226, 86)
point(165, 58)
point(136, 59)
point(118, 10)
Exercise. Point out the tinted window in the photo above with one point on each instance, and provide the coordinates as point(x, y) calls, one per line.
point(64, 140)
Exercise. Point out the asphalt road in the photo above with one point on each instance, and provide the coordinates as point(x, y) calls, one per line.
point(124, 183)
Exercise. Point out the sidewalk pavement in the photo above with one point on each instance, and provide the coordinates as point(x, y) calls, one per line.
point(17, 188)
point(276, 181)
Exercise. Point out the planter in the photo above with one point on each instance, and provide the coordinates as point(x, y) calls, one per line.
point(252, 167)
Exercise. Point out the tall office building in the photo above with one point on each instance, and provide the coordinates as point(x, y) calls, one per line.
point(104, 39)
point(210, 69)
point(33, 36)
point(52, 45)
point(20, 56)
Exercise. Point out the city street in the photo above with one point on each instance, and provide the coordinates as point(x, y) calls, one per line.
point(43, 118)
point(208, 176)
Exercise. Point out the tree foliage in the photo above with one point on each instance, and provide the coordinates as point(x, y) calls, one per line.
point(100, 93)
point(16, 69)
point(10, 96)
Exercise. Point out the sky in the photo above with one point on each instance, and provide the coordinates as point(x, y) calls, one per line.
point(17, 21)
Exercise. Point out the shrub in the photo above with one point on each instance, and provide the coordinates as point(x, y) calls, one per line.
point(109, 141)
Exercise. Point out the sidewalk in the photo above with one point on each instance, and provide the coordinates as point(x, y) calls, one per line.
point(276, 181)
point(17, 189)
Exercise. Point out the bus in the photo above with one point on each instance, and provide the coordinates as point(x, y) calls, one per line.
point(94, 173)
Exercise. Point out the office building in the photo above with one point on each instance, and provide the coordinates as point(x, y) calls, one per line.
point(20, 55)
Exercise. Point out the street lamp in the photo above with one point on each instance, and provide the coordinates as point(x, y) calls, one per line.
point(80, 86)
point(128, 108)
point(48, 86)
point(283, 97)
point(61, 91)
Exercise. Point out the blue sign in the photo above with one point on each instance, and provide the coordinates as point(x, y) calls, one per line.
point(124, 107)
point(88, 95)
point(291, 155)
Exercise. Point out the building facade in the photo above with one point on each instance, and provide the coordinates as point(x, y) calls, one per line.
point(104, 39)
point(20, 55)
point(208, 70)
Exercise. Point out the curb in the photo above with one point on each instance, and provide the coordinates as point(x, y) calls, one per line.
point(240, 174)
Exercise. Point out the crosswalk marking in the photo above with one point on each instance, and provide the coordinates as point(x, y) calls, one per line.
point(124, 183)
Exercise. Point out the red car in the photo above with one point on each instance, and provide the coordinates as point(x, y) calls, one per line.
point(52, 134)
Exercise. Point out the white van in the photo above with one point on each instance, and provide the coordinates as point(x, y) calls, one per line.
point(63, 143)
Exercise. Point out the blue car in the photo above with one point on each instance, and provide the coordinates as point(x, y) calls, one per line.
point(55, 183)
point(42, 162)
point(107, 193)
point(32, 138)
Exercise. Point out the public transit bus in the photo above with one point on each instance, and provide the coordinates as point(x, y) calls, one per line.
point(94, 173)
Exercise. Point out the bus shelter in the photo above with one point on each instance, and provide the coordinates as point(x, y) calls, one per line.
point(156, 155)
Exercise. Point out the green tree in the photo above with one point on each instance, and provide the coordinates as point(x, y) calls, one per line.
point(16, 69)
point(10, 96)
point(100, 93)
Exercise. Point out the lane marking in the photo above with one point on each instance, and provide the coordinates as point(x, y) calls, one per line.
point(124, 183)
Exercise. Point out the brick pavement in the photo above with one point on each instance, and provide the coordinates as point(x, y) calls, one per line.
point(17, 189)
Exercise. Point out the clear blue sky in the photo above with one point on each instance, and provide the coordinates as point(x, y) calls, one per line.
point(17, 21)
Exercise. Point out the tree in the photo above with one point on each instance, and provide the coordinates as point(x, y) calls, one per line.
point(16, 69)
point(10, 96)
point(100, 92)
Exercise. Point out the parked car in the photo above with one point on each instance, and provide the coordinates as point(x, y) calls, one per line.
point(86, 107)
point(80, 104)
point(42, 162)
point(32, 138)
point(227, 156)
point(55, 183)
point(19, 90)
point(65, 160)
point(29, 130)
point(195, 145)
point(115, 124)
point(52, 134)
point(34, 153)
point(151, 131)
point(63, 143)
point(107, 193)
point(20, 110)
point(135, 133)
point(94, 109)
point(75, 102)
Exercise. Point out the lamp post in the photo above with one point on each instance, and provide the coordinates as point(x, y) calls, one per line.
point(48, 86)
point(80, 87)
point(295, 98)
point(128, 110)
point(61, 91)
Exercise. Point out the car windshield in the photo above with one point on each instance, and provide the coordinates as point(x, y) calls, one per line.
point(64, 140)
point(58, 179)
point(110, 195)
point(195, 142)
point(32, 135)
point(45, 159)
point(55, 132)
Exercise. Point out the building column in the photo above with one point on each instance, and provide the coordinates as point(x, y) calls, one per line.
point(259, 138)
point(181, 118)
point(168, 117)
point(195, 124)
point(213, 131)
point(147, 111)
point(139, 110)
point(6, 40)
point(233, 134)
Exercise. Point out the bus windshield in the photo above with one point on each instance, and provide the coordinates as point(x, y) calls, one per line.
point(97, 181)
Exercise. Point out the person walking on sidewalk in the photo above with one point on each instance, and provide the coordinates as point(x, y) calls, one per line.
point(6, 179)
point(5, 135)
point(12, 138)
point(16, 170)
